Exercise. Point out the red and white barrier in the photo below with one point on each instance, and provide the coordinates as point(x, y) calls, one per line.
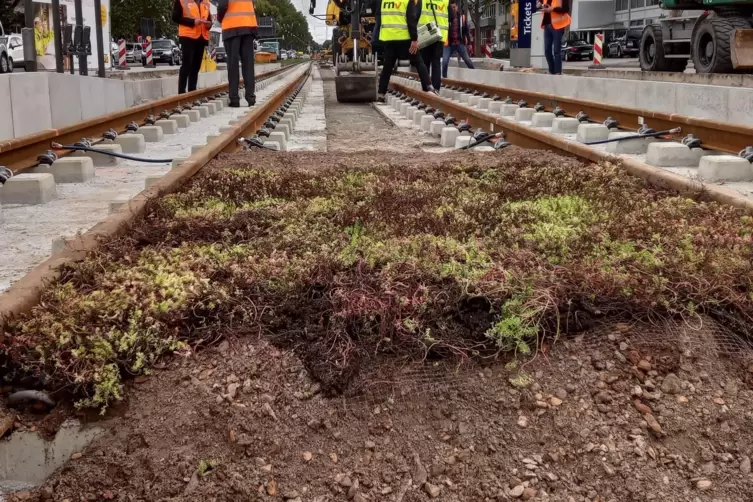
point(598, 49)
point(213, 54)
point(122, 54)
point(149, 56)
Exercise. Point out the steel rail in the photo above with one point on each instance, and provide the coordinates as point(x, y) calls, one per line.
point(24, 294)
point(19, 154)
point(719, 136)
point(529, 137)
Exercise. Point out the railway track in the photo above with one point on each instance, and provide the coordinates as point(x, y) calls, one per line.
point(254, 396)
point(21, 154)
point(494, 109)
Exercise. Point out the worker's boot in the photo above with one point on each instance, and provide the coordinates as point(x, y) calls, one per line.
point(251, 101)
point(234, 104)
point(381, 98)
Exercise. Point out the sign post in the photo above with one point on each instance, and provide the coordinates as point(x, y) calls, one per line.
point(598, 51)
point(523, 11)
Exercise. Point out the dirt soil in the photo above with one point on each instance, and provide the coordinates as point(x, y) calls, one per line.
point(620, 413)
point(601, 417)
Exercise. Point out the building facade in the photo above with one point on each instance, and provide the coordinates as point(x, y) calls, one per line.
point(494, 25)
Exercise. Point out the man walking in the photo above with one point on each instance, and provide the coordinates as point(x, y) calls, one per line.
point(554, 21)
point(435, 11)
point(194, 22)
point(457, 39)
point(398, 33)
point(239, 28)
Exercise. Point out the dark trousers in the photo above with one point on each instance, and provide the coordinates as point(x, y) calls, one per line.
point(394, 51)
point(553, 48)
point(192, 52)
point(432, 56)
point(240, 51)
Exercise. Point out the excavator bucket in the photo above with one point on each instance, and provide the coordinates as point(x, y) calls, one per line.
point(356, 87)
point(742, 49)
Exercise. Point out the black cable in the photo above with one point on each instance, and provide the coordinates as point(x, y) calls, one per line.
point(113, 154)
point(480, 140)
point(5, 174)
point(635, 136)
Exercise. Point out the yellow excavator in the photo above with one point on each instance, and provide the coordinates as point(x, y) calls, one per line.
point(353, 57)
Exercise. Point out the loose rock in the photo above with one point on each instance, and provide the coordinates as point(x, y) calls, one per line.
point(432, 490)
point(745, 465)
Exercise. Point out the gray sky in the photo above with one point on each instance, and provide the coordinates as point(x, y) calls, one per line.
point(317, 28)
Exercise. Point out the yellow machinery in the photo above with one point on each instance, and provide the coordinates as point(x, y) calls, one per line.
point(353, 57)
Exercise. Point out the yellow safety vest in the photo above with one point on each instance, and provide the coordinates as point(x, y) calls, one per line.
point(439, 9)
point(394, 23)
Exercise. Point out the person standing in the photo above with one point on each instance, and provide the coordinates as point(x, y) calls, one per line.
point(239, 29)
point(398, 33)
point(457, 38)
point(435, 11)
point(555, 20)
point(194, 21)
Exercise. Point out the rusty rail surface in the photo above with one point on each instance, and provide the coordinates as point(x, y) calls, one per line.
point(529, 137)
point(719, 136)
point(24, 294)
point(19, 154)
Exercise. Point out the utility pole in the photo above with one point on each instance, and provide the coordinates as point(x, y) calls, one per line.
point(82, 58)
point(100, 38)
point(28, 36)
point(58, 35)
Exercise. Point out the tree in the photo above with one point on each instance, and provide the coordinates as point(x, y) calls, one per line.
point(12, 20)
point(126, 15)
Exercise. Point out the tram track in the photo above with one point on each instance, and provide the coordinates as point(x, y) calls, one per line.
point(24, 293)
point(524, 135)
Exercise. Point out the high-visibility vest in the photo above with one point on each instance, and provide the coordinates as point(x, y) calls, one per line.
point(439, 9)
point(393, 25)
point(559, 21)
point(195, 11)
point(240, 14)
point(460, 28)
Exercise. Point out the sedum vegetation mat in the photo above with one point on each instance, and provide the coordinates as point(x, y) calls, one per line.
point(358, 260)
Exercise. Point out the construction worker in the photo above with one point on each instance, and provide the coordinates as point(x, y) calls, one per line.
point(194, 21)
point(435, 11)
point(239, 29)
point(555, 20)
point(398, 33)
point(457, 38)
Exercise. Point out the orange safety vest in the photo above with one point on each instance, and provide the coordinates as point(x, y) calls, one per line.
point(460, 29)
point(195, 10)
point(559, 21)
point(240, 14)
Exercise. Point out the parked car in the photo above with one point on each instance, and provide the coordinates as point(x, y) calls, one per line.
point(114, 54)
point(626, 45)
point(134, 53)
point(220, 54)
point(16, 51)
point(6, 63)
point(284, 55)
point(165, 51)
point(577, 49)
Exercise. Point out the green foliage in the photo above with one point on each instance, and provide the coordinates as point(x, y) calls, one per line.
point(206, 466)
point(461, 257)
point(515, 327)
point(126, 15)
